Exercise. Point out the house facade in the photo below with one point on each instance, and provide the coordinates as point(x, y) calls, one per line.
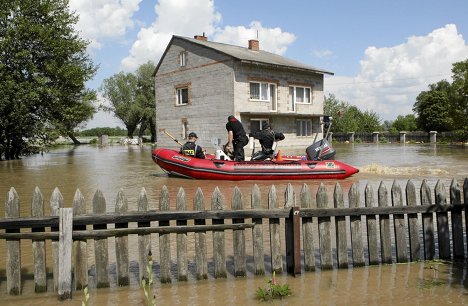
point(200, 83)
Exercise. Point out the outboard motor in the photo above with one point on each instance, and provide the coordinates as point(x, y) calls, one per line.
point(320, 150)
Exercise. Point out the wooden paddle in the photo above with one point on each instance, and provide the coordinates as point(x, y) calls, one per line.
point(172, 137)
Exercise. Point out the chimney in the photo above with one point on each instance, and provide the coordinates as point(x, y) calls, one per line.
point(254, 45)
point(201, 37)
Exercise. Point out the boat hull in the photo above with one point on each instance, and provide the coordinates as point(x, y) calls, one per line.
point(290, 168)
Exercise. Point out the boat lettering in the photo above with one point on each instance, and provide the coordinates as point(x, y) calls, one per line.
point(330, 165)
point(181, 158)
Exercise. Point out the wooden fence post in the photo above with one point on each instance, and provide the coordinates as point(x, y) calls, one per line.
point(292, 233)
point(457, 221)
point(165, 239)
point(428, 222)
point(38, 246)
point(56, 202)
point(324, 223)
point(385, 239)
point(356, 228)
point(341, 230)
point(257, 233)
point(307, 231)
point(442, 222)
point(238, 239)
point(182, 264)
point(13, 260)
point(200, 238)
point(65, 251)
point(219, 250)
point(372, 233)
point(101, 245)
point(399, 225)
point(275, 241)
point(144, 240)
point(413, 223)
point(121, 243)
point(80, 246)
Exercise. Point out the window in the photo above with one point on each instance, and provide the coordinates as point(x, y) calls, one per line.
point(304, 127)
point(182, 96)
point(262, 91)
point(257, 124)
point(183, 58)
point(298, 94)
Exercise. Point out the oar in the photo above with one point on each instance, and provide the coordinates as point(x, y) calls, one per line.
point(172, 137)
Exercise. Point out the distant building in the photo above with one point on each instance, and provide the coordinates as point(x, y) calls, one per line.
point(200, 83)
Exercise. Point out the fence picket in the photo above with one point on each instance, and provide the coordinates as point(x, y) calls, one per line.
point(399, 225)
point(13, 260)
point(165, 239)
point(356, 228)
point(275, 241)
point(219, 244)
point(257, 233)
point(121, 243)
point(101, 255)
point(413, 223)
point(372, 233)
point(238, 236)
point(443, 233)
point(80, 246)
point(341, 229)
point(182, 264)
point(428, 223)
point(38, 246)
point(200, 238)
point(144, 240)
point(457, 221)
point(307, 231)
point(56, 202)
point(64, 289)
point(385, 238)
point(324, 223)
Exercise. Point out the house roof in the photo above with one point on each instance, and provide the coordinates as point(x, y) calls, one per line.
point(250, 56)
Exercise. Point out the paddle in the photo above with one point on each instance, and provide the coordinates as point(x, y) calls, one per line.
point(172, 137)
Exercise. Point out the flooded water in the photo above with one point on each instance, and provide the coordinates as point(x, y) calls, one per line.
point(130, 168)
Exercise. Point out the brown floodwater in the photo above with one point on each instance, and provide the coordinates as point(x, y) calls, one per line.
point(130, 168)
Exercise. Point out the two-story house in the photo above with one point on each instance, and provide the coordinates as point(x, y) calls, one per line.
point(200, 83)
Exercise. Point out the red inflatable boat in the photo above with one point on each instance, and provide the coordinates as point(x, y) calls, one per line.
point(284, 168)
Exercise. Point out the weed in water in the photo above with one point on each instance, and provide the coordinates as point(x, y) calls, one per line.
point(273, 291)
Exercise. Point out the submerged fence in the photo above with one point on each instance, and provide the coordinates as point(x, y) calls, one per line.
point(301, 237)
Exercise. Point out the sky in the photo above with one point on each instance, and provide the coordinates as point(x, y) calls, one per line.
point(383, 53)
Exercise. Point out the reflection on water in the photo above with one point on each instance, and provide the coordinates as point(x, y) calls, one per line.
point(131, 168)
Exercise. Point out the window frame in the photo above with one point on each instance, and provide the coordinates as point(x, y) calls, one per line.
point(305, 88)
point(183, 59)
point(300, 127)
point(261, 121)
point(179, 95)
point(269, 95)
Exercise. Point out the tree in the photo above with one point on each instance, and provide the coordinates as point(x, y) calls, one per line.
point(406, 123)
point(121, 91)
point(460, 102)
point(43, 70)
point(146, 98)
point(433, 107)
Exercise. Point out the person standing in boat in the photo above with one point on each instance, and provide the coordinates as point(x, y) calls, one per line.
point(190, 148)
point(237, 138)
point(267, 138)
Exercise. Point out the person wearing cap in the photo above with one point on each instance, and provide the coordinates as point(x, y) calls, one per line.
point(237, 138)
point(266, 138)
point(190, 148)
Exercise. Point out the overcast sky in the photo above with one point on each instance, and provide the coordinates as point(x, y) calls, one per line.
point(383, 53)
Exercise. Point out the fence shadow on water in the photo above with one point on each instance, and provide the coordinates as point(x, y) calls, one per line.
point(200, 242)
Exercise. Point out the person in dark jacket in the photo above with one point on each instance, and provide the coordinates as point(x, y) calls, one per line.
point(192, 149)
point(237, 138)
point(267, 138)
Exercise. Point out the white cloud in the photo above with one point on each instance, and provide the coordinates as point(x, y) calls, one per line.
point(100, 19)
point(195, 17)
point(322, 53)
point(391, 78)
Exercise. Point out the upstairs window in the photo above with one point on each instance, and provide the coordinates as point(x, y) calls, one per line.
point(183, 58)
point(299, 94)
point(262, 91)
point(182, 96)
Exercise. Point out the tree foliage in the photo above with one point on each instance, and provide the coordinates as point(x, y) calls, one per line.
point(131, 99)
point(43, 70)
point(348, 118)
point(406, 123)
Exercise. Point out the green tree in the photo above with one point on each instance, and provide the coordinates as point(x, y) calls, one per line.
point(406, 123)
point(460, 103)
point(433, 107)
point(121, 92)
point(146, 98)
point(43, 70)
